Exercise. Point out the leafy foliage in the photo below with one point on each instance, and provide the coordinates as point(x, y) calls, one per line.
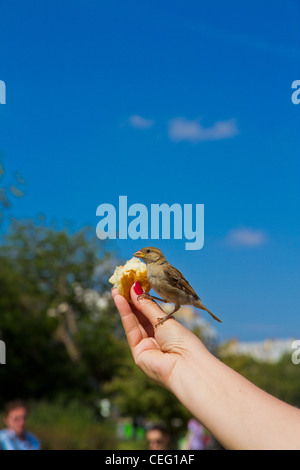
point(66, 348)
point(71, 426)
point(58, 339)
point(281, 379)
point(9, 189)
point(136, 395)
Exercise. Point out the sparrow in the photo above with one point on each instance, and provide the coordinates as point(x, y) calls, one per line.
point(168, 282)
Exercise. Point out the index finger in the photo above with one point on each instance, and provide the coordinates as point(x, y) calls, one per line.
point(130, 322)
point(147, 307)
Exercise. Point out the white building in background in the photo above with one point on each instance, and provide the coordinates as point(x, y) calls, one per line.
point(270, 350)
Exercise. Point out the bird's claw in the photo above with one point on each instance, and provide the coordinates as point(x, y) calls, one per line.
point(143, 296)
point(162, 320)
point(150, 297)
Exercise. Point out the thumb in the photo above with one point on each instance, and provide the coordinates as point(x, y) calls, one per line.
point(171, 336)
point(146, 306)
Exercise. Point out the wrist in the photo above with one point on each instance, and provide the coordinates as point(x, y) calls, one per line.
point(189, 370)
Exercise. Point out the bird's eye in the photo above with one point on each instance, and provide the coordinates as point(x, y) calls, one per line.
point(148, 251)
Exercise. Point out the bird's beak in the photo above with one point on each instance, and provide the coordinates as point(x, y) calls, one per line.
point(139, 254)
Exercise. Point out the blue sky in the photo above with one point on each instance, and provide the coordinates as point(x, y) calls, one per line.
point(167, 102)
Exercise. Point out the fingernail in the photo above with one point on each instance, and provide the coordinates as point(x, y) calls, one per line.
point(138, 288)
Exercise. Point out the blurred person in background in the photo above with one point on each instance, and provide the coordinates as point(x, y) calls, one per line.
point(15, 436)
point(157, 437)
point(195, 439)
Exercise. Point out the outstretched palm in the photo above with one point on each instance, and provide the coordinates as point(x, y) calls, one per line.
point(155, 350)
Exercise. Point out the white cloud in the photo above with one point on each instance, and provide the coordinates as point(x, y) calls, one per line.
point(192, 131)
point(139, 122)
point(246, 237)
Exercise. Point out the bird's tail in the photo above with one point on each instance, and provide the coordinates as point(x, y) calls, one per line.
point(199, 304)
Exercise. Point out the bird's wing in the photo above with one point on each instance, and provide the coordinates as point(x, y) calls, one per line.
point(177, 279)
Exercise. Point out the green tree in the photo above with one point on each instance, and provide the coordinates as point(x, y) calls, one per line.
point(281, 378)
point(135, 395)
point(9, 188)
point(61, 332)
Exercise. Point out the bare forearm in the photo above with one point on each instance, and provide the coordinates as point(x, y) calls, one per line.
point(239, 414)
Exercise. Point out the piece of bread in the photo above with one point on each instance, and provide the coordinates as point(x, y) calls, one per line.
point(125, 276)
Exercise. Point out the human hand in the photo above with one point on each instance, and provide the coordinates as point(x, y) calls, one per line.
point(159, 352)
point(221, 399)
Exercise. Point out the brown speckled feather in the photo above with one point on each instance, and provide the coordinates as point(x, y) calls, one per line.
point(168, 282)
point(175, 277)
